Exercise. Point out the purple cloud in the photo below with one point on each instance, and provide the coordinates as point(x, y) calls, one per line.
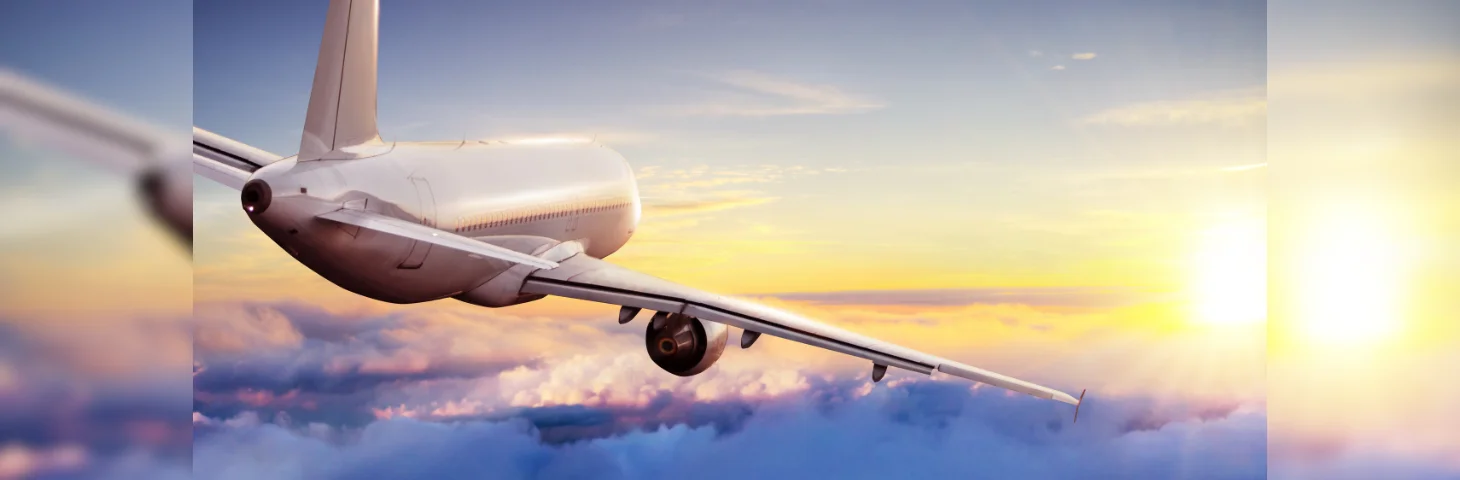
point(914, 430)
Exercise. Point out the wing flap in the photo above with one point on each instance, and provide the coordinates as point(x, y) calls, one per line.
point(422, 233)
point(586, 278)
point(220, 172)
point(661, 303)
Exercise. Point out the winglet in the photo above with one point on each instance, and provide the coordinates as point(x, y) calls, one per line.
point(1077, 406)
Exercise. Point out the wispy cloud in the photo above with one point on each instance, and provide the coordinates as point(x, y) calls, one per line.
point(1036, 53)
point(700, 189)
point(1057, 67)
point(1231, 108)
point(1243, 168)
point(758, 94)
point(1083, 56)
point(721, 201)
point(1346, 80)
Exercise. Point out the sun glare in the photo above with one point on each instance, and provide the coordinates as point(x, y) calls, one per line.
point(1349, 281)
point(1230, 274)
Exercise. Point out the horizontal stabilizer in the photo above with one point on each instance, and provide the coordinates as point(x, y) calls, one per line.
point(225, 160)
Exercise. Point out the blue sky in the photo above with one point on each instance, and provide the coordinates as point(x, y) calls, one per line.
point(943, 73)
point(133, 57)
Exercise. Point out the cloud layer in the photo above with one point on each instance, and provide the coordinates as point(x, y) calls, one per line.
point(912, 430)
point(469, 393)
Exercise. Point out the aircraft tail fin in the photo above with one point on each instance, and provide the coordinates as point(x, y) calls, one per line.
point(342, 103)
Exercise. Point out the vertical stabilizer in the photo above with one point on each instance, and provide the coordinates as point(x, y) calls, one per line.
point(342, 103)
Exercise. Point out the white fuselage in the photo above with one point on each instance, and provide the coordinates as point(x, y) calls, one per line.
point(523, 196)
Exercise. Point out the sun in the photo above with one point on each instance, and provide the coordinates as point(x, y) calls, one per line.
point(1229, 284)
point(1349, 280)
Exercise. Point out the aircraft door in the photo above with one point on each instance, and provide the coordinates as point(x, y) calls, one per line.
point(427, 201)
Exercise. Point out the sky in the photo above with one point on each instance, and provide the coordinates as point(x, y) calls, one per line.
point(94, 298)
point(1070, 194)
point(1364, 99)
point(135, 60)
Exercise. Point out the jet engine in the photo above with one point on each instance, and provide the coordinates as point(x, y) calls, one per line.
point(684, 345)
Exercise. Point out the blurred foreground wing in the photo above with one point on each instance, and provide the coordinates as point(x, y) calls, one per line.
point(586, 278)
point(225, 160)
point(37, 113)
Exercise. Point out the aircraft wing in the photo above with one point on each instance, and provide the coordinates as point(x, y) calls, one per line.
point(35, 112)
point(586, 278)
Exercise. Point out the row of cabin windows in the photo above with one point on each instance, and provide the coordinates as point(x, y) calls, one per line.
point(499, 219)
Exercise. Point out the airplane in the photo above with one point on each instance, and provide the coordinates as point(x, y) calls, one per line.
point(492, 223)
point(155, 159)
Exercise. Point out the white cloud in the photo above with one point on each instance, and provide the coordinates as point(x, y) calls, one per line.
point(1233, 108)
point(1057, 67)
point(1243, 168)
point(1036, 53)
point(704, 189)
point(1083, 56)
point(761, 95)
point(1375, 79)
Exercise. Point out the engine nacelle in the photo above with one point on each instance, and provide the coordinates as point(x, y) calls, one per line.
point(167, 191)
point(684, 345)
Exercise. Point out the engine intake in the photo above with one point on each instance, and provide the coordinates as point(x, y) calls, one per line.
point(684, 345)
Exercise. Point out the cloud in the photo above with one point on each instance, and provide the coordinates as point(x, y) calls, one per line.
point(1243, 168)
point(756, 94)
point(74, 406)
point(1083, 56)
point(1376, 81)
point(1232, 108)
point(334, 366)
point(451, 363)
point(244, 330)
point(1036, 53)
point(932, 430)
point(1057, 67)
point(1323, 458)
point(699, 189)
point(604, 135)
point(718, 202)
